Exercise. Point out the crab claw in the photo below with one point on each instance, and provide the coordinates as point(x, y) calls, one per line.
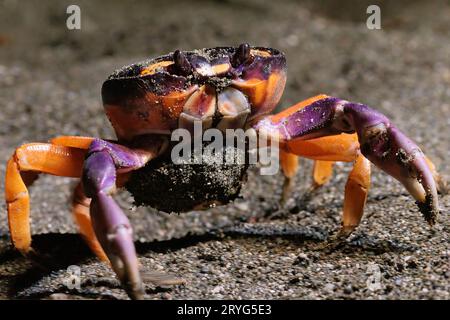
point(393, 152)
point(390, 150)
point(111, 226)
point(381, 142)
point(115, 235)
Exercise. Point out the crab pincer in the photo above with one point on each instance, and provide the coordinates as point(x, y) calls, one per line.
point(380, 142)
point(392, 151)
point(111, 226)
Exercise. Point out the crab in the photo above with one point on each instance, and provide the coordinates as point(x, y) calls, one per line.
point(223, 88)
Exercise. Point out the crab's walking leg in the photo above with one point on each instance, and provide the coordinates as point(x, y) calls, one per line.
point(34, 157)
point(356, 190)
point(112, 228)
point(342, 147)
point(440, 183)
point(80, 211)
point(73, 141)
point(80, 203)
point(289, 165)
point(322, 172)
point(381, 142)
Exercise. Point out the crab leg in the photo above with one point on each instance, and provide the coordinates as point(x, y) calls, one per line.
point(356, 190)
point(289, 166)
point(343, 147)
point(73, 141)
point(80, 211)
point(112, 228)
point(322, 172)
point(26, 161)
point(80, 203)
point(381, 142)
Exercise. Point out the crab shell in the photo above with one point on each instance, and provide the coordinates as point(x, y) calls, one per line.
point(158, 95)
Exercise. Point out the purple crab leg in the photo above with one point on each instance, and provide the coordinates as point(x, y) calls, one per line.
point(111, 226)
point(380, 142)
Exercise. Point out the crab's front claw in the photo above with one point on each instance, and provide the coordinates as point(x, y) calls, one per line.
point(380, 142)
point(111, 226)
point(392, 151)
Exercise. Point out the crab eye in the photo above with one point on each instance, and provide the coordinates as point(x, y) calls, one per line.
point(242, 54)
point(182, 64)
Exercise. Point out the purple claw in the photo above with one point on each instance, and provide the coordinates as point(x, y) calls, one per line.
point(114, 232)
point(390, 150)
point(110, 224)
point(381, 142)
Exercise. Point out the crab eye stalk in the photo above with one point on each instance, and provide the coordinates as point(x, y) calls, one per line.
point(182, 64)
point(242, 54)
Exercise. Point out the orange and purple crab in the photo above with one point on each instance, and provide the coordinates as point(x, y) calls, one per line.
point(223, 88)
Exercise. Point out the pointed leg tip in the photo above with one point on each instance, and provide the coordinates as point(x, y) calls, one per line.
point(135, 291)
point(288, 185)
point(314, 186)
point(338, 239)
point(428, 210)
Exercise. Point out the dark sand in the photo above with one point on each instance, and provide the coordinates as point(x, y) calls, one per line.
point(50, 81)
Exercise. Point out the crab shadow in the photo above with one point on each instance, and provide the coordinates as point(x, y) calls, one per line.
point(51, 252)
point(55, 252)
point(316, 239)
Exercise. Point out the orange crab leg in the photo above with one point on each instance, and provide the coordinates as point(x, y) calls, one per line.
point(72, 141)
point(326, 151)
point(343, 147)
point(322, 172)
point(355, 197)
point(289, 166)
point(80, 210)
point(80, 203)
point(440, 183)
point(289, 163)
point(35, 157)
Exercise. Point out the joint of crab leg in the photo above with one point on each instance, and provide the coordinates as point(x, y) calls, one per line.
point(124, 158)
